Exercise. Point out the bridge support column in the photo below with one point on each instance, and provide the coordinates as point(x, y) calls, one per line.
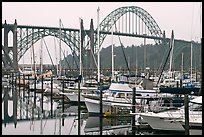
point(90, 52)
point(91, 35)
point(6, 58)
point(15, 51)
point(8, 62)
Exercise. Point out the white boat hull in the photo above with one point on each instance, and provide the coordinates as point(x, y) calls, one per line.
point(93, 106)
point(162, 123)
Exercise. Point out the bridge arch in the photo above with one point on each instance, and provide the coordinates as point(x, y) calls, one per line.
point(71, 36)
point(70, 39)
point(146, 18)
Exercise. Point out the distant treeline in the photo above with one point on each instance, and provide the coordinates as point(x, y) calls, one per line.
point(155, 57)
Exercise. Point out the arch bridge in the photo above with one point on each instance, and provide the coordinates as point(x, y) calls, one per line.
point(131, 21)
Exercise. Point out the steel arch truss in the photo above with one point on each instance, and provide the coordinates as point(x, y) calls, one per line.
point(147, 19)
point(71, 38)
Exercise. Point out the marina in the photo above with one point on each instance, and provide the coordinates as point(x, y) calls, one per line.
point(98, 81)
point(22, 106)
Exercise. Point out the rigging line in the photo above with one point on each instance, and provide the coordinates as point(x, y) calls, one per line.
point(44, 125)
point(93, 56)
point(75, 59)
point(160, 66)
point(72, 53)
point(123, 51)
point(49, 54)
point(66, 60)
point(92, 52)
point(164, 64)
point(55, 124)
point(72, 125)
point(62, 24)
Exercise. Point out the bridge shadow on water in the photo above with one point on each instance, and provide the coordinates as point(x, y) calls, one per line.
point(19, 116)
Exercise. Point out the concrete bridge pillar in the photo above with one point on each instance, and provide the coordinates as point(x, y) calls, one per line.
point(91, 35)
point(15, 51)
point(8, 62)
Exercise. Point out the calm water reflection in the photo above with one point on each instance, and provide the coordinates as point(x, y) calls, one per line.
point(22, 115)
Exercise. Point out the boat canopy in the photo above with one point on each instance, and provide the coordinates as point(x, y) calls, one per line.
point(119, 87)
point(173, 90)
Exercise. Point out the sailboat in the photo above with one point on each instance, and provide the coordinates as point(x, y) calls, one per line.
point(43, 85)
point(191, 82)
point(37, 84)
point(118, 96)
point(86, 87)
point(168, 79)
point(172, 86)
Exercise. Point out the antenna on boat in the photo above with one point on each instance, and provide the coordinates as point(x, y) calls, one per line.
point(98, 45)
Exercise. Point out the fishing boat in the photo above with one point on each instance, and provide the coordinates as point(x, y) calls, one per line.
point(119, 95)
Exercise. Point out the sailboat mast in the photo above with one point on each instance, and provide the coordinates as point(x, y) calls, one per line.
point(41, 56)
point(136, 61)
point(182, 64)
point(191, 61)
point(80, 59)
point(60, 31)
point(145, 72)
point(56, 60)
point(98, 46)
point(112, 49)
point(24, 63)
point(172, 48)
point(33, 58)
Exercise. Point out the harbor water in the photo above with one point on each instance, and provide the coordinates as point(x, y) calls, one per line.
point(20, 117)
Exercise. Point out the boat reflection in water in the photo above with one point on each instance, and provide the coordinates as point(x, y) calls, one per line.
point(110, 126)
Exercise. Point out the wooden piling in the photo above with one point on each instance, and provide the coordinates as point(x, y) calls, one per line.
point(133, 110)
point(101, 108)
point(63, 101)
point(51, 94)
point(42, 94)
point(35, 92)
point(79, 107)
point(186, 114)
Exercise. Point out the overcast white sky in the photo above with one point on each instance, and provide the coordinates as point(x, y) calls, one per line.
point(185, 18)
